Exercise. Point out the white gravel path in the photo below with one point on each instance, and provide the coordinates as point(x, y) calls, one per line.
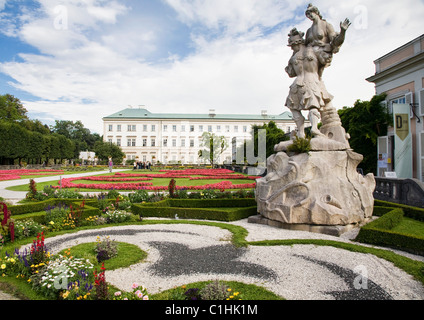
point(298, 272)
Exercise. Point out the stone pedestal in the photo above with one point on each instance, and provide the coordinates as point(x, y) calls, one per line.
point(315, 189)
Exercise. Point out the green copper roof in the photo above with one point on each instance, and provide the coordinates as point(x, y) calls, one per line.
point(141, 113)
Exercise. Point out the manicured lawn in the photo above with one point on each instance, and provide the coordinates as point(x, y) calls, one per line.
point(244, 291)
point(411, 227)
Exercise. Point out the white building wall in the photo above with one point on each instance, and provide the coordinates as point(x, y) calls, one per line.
point(171, 141)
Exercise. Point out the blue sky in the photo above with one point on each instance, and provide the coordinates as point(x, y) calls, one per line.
point(86, 59)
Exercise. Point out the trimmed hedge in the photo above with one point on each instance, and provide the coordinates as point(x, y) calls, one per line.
point(206, 209)
point(379, 232)
point(36, 210)
point(410, 211)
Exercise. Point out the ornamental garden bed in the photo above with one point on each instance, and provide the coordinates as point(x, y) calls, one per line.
point(399, 227)
point(205, 209)
point(25, 173)
point(188, 179)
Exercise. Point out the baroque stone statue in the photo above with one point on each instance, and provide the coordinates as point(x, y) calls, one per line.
point(321, 187)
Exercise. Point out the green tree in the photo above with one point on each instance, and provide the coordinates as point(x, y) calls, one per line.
point(213, 147)
point(104, 150)
point(75, 131)
point(365, 122)
point(11, 108)
point(13, 140)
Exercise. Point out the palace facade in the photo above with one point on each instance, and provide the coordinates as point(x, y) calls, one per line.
point(177, 138)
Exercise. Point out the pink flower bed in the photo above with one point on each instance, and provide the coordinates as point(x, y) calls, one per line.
point(127, 177)
point(152, 175)
point(234, 176)
point(17, 173)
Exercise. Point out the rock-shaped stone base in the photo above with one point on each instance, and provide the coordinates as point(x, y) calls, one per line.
point(321, 188)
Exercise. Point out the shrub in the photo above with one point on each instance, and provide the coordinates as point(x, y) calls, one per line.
point(139, 196)
point(32, 192)
point(27, 228)
point(192, 294)
point(117, 216)
point(55, 217)
point(300, 145)
point(215, 290)
point(105, 249)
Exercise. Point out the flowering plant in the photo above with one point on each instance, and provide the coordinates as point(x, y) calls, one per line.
point(105, 248)
point(137, 293)
point(117, 216)
point(100, 283)
point(60, 274)
point(38, 251)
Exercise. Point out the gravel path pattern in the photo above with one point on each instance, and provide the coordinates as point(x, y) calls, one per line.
point(183, 253)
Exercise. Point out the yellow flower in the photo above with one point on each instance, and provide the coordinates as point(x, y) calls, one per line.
point(65, 294)
point(3, 266)
point(29, 280)
point(229, 289)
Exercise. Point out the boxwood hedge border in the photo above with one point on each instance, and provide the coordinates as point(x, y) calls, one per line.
point(202, 209)
point(379, 232)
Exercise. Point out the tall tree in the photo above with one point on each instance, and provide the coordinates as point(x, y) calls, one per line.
point(106, 150)
point(81, 136)
point(365, 122)
point(213, 147)
point(11, 108)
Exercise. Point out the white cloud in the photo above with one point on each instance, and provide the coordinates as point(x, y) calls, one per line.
point(234, 16)
point(101, 56)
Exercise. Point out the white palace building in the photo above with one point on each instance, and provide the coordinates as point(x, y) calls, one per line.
point(176, 138)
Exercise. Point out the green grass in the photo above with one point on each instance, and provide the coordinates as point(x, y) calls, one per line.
point(410, 227)
point(247, 291)
point(128, 254)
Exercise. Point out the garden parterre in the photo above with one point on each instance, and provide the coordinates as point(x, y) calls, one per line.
point(133, 181)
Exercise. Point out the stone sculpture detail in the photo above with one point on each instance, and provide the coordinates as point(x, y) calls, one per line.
point(321, 187)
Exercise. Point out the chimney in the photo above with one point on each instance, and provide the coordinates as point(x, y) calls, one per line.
point(212, 113)
point(264, 113)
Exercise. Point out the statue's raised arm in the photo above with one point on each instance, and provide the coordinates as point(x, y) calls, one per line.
point(339, 39)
